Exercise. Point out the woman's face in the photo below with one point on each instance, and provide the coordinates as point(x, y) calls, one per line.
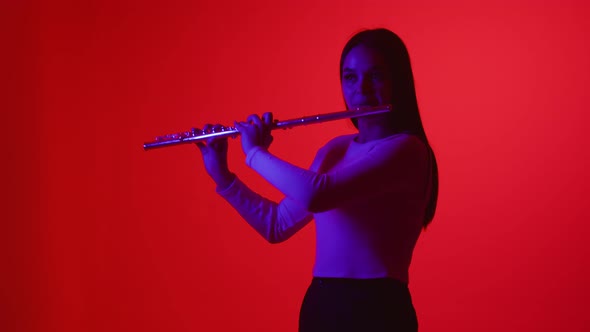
point(366, 78)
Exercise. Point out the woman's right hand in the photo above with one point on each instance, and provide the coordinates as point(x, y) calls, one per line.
point(214, 153)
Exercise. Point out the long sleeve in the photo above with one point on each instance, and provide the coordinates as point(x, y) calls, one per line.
point(391, 164)
point(275, 222)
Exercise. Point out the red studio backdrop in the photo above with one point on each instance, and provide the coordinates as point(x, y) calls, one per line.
point(99, 235)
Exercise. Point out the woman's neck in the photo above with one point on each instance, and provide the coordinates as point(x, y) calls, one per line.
point(373, 130)
point(373, 133)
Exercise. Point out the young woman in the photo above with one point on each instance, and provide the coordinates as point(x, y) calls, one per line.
point(370, 193)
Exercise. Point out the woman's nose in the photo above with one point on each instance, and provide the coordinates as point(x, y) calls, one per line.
point(366, 85)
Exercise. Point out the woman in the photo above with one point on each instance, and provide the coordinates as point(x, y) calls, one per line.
point(370, 194)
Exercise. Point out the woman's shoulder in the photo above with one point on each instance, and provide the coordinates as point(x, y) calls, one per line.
point(403, 142)
point(342, 140)
point(335, 145)
point(406, 138)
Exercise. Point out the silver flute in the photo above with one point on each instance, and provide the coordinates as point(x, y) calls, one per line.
point(195, 135)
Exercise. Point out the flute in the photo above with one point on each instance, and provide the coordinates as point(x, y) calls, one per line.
point(195, 135)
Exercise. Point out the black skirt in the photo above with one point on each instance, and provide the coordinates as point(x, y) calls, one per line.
point(367, 305)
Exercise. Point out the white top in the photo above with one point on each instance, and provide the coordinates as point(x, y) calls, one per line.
point(368, 201)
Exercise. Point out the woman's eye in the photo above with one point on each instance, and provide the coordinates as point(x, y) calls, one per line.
point(349, 77)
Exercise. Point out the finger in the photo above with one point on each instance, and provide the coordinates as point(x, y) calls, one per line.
point(216, 142)
point(267, 118)
point(267, 123)
point(201, 146)
point(268, 140)
point(255, 119)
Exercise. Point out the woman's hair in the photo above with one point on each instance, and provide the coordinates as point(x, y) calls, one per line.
point(405, 115)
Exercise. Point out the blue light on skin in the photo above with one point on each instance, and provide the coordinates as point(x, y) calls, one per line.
point(366, 81)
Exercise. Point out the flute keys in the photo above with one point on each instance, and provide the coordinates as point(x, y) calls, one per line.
point(195, 132)
point(168, 137)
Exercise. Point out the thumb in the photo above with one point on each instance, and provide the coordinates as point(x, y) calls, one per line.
point(268, 140)
point(201, 146)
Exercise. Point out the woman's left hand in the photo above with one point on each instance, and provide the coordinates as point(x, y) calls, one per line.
point(255, 131)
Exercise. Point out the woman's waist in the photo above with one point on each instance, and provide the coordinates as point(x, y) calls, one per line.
point(358, 281)
point(360, 273)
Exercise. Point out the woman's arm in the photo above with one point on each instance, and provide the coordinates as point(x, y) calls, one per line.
point(275, 222)
point(397, 164)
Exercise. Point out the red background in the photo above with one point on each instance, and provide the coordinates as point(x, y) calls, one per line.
point(99, 235)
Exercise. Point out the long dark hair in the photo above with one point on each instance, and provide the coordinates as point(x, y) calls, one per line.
point(405, 115)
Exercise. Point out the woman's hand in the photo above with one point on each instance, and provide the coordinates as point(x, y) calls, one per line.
point(255, 131)
point(214, 153)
